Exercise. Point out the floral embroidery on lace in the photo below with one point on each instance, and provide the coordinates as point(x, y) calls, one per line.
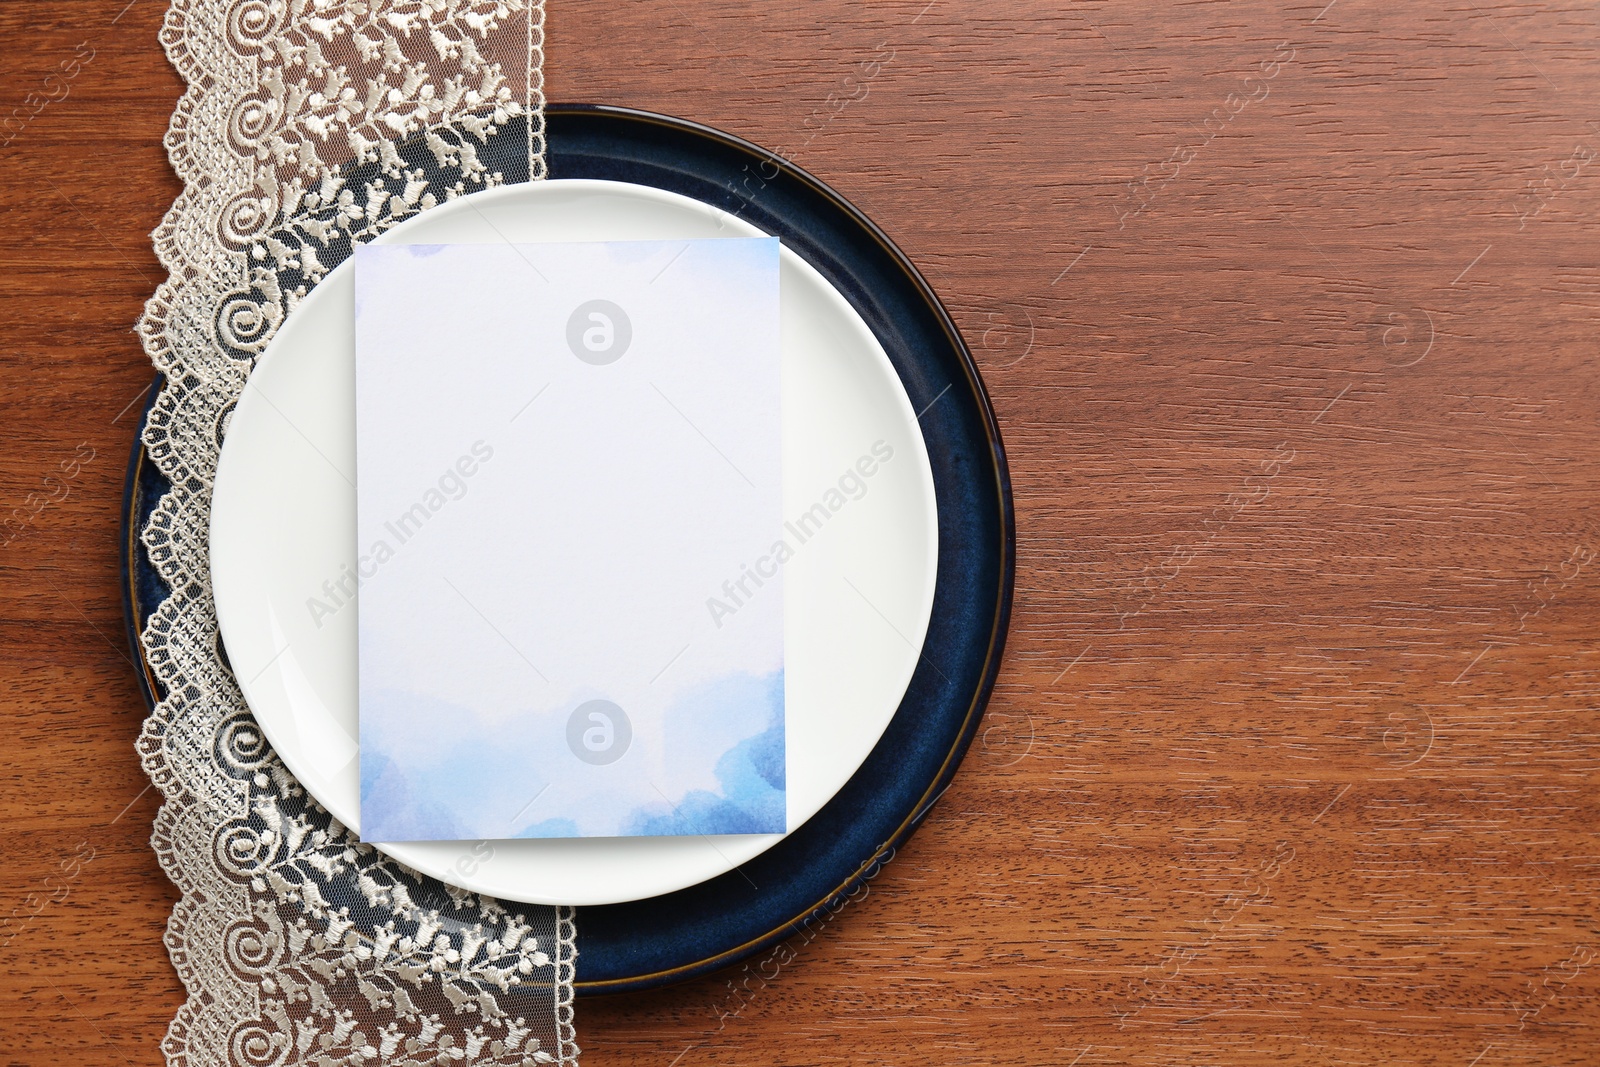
point(309, 126)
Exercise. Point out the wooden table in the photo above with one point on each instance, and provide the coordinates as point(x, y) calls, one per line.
point(1289, 314)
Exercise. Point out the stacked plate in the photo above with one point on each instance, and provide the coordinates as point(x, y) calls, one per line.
point(897, 607)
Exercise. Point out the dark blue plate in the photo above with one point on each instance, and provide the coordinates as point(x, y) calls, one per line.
point(669, 938)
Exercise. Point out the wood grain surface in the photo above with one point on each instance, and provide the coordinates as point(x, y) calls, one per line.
point(1289, 316)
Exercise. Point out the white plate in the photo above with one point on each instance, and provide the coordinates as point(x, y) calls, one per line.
point(857, 595)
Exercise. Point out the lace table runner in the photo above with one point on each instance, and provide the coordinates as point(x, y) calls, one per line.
point(309, 126)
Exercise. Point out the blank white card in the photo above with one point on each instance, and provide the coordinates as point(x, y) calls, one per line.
point(568, 502)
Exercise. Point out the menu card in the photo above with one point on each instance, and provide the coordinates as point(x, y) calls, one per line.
point(569, 573)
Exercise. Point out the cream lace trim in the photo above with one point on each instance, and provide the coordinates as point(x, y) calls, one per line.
point(309, 126)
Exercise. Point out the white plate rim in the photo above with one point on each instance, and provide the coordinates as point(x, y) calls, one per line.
point(251, 397)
